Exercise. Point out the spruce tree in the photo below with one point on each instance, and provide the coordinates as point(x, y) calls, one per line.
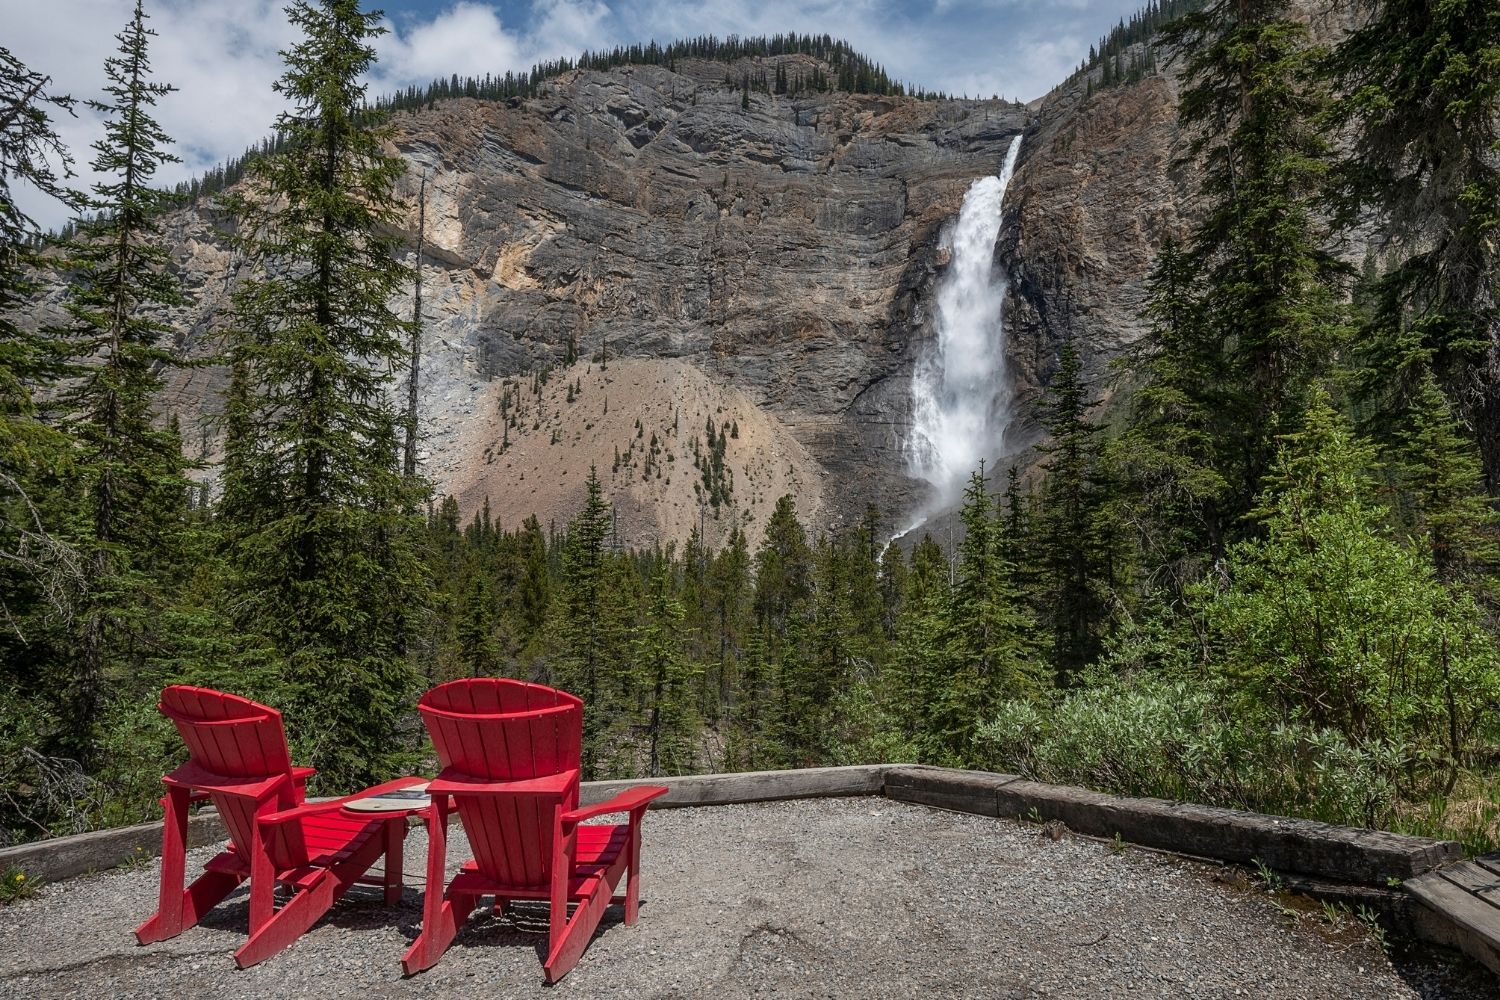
point(534, 589)
point(129, 470)
point(783, 571)
point(313, 497)
point(729, 594)
point(751, 747)
point(589, 627)
point(1421, 110)
point(1171, 496)
point(665, 679)
point(1076, 541)
point(911, 685)
point(1438, 469)
point(893, 576)
point(1260, 252)
point(31, 450)
point(988, 643)
point(476, 628)
point(40, 570)
point(1329, 619)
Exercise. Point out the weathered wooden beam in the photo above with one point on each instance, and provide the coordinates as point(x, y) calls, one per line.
point(962, 791)
point(1456, 918)
point(100, 850)
point(750, 786)
point(1299, 846)
point(1317, 850)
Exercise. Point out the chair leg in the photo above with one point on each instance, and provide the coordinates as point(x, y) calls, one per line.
point(203, 895)
point(568, 946)
point(167, 922)
point(439, 927)
point(288, 923)
point(305, 908)
point(633, 876)
point(395, 838)
point(442, 916)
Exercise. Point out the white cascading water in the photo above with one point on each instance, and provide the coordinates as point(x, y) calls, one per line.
point(960, 393)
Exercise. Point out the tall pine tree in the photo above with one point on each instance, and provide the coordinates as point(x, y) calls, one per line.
point(1076, 541)
point(1260, 252)
point(1171, 494)
point(987, 635)
point(130, 468)
point(40, 571)
point(1421, 107)
point(313, 497)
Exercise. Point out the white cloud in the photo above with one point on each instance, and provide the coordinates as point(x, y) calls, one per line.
point(466, 39)
point(223, 59)
point(564, 28)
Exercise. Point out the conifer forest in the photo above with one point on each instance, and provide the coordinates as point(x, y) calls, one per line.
point(1253, 561)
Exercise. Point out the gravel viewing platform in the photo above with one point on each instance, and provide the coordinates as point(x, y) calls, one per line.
point(814, 898)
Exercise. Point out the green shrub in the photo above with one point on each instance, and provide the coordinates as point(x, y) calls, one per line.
point(14, 885)
point(1180, 740)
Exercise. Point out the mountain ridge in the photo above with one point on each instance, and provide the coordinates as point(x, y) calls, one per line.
point(785, 246)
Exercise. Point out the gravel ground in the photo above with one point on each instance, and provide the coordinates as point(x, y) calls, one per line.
point(814, 898)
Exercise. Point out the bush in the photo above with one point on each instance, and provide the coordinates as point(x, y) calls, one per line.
point(14, 885)
point(1179, 740)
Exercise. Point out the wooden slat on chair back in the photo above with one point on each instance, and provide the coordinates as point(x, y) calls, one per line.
point(496, 729)
point(237, 738)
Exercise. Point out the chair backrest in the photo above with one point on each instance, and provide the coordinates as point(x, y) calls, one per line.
point(497, 729)
point(237, 739)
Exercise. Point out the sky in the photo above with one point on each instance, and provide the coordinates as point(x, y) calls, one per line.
point(223, 54)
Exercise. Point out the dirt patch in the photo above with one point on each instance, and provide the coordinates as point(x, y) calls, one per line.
point(644, 425)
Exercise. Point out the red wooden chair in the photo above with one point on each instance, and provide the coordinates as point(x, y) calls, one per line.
point(510, 757)
point(238, 759)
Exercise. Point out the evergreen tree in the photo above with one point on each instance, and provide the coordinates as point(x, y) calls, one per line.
point(1251, 107)
point(37, 567)
point(987, 635)
point(665, 679)
point(129, 471)
point(1171, 493)
point(313, 498)
point(589, 627)
point(1421, 106)
point(783, 571)
point(1330, 621)
point(1076, 541)
point(476, 629)
point(729, 593)
point(534, 590)
point(861, 555)
point(40, 571)
point(893, 576)
point(911, 685)
point(1439, 472)
point(750, 745)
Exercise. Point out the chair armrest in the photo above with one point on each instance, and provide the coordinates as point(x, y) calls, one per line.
point(196, 779)
point(450, 782)
point(627, 801)
point(330, 805)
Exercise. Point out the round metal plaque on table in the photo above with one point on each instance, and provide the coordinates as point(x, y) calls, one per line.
point(401, 800)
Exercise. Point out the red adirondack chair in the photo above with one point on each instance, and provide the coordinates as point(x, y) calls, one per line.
point(510, 755)
point(238, 759)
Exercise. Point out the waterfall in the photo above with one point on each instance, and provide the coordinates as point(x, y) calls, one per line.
point(960, 393)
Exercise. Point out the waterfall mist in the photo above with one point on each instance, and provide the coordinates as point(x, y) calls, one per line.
point(960, 393)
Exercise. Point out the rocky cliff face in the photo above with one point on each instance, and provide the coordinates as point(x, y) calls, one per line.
point(770, 266)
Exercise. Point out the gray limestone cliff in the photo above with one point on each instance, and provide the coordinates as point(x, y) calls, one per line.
point(768, 269)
